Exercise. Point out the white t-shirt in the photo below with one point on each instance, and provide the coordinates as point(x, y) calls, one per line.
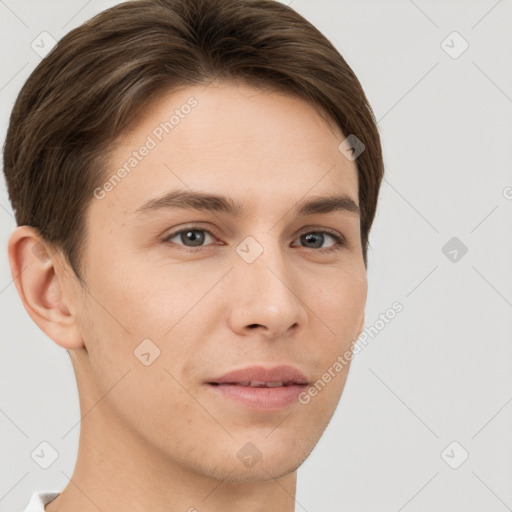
point(40, 499)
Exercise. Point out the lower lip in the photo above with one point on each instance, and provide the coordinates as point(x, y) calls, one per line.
point(263, 399)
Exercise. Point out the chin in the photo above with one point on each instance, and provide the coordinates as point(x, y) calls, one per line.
point(272, 455)
point(262, 471)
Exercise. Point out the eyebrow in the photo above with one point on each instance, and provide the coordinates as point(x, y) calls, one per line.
point(184, 199)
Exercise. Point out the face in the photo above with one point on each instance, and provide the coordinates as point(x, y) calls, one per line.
point(181, 290)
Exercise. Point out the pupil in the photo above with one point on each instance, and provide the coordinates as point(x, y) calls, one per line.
point(311, 236)
point(192, 236)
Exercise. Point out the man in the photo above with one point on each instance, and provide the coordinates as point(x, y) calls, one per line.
point(194, 183)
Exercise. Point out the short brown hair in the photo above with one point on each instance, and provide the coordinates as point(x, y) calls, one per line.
point(99, 76)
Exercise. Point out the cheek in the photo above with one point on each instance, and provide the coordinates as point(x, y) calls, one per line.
point(135, 301)
point(338, 312)
point(341, 304)
point(169, 305)
point(113, 327)
point(155, 293)
point(156, 405)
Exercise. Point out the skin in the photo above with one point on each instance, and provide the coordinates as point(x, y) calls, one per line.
point(156, 437)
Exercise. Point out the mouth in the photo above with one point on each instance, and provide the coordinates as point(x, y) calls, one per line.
point(261, 388)
point(259, 384)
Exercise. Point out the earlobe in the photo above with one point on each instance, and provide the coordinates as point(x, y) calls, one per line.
point(35, 272)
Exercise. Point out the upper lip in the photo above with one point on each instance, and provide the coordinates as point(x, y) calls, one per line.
point(285, 373)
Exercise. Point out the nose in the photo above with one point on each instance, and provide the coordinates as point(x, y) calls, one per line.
point(264, 295)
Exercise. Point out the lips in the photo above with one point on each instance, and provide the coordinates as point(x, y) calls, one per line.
point(262, 389)
point(258, 376)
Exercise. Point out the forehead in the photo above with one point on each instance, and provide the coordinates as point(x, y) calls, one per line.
point(229, 139)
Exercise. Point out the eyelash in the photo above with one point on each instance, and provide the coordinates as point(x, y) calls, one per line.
point(340, 240)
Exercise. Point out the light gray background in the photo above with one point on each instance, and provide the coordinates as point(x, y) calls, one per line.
point(441, 371)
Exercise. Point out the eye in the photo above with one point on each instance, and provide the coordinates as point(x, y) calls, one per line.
point(189, 237)
point(315, 240)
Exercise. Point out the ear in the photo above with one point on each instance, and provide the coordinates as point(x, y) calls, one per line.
point(44, 286)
